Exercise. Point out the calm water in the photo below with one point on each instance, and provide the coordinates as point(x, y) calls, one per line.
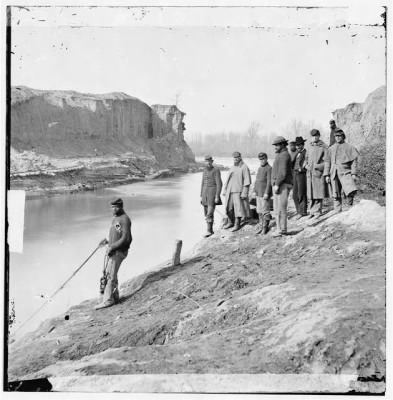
point(62, 231)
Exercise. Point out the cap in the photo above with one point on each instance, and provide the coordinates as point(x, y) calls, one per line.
point(332, 120)
point(236, 154)
point(315, 132)
point(117, 202)
point(279, 140)
point(262, 155)
point(292, 142)
point(339, 132)
point(208, 158)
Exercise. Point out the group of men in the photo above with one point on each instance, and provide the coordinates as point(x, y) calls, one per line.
point(312, 174)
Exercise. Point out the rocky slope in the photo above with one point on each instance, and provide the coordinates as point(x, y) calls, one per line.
point(60, 139)
point(309, 303)
point(364, 122)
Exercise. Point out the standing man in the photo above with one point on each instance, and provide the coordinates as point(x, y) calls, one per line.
point(263, 193)
point(120, 239)
point(293, 152)
point(282, 184)
point(300, 178)
point(235, 191)
point(317, 188)
point(333, 128)
point(210, 192)
point(340, 170)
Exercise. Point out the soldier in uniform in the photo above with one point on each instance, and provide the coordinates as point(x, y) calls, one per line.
point(340, 170)
point(210, 192)
point(235, 191)
point(119, 242)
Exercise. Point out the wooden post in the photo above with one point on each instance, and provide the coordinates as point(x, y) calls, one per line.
point(176, 253)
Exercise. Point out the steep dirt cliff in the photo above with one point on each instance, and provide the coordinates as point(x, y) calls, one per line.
point(364, 122)
point(60, 139)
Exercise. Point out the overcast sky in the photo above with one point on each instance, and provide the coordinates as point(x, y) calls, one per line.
point(228, 66)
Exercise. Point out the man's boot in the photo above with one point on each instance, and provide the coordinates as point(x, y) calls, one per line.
point(237, 225)
point(265, 228)
point(229, 224)
point(260, 224)
point(350, 198)
point(116, 296)
point(209, 229)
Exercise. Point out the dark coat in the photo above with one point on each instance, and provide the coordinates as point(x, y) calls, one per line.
point(211, 186)
point(282, 168)
point(315, 161)
point(300, 161)
point(120, 237)
point(263, 183)
point(332, 137)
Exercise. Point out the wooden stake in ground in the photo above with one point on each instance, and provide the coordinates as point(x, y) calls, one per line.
point(176, 254)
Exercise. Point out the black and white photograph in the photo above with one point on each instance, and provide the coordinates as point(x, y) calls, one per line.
point(195, 197)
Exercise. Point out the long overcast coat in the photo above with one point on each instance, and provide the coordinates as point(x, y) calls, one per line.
point(315, 162)
point(340, 163)
point(211, 186)
point(238, 184)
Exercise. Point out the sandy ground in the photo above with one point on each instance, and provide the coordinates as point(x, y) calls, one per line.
point(40, 175)
point(312, 302)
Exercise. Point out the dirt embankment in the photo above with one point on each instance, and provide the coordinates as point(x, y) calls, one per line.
point(312, 302)
point(69, 141)
point(365, 122)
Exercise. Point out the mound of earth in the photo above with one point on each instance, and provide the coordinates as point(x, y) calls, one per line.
point(312, 302)
point(364, 122)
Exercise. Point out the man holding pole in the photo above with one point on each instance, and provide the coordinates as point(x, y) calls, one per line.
point(119, 242)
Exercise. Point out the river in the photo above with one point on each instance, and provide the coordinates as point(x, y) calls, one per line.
point(61, 232)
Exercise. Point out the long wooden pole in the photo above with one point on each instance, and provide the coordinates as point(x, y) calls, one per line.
point(57, 291)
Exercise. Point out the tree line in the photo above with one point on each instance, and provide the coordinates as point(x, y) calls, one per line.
point(251, 141)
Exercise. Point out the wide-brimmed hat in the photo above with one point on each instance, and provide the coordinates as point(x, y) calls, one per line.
point(117, 202)
point(339, 132)
point(315, 132)
point(299, 140)
point(262, 155)
point(279, 140)
point(236, 154)
point(208, 158)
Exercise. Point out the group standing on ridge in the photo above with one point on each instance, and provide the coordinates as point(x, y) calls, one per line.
point(312, 174)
